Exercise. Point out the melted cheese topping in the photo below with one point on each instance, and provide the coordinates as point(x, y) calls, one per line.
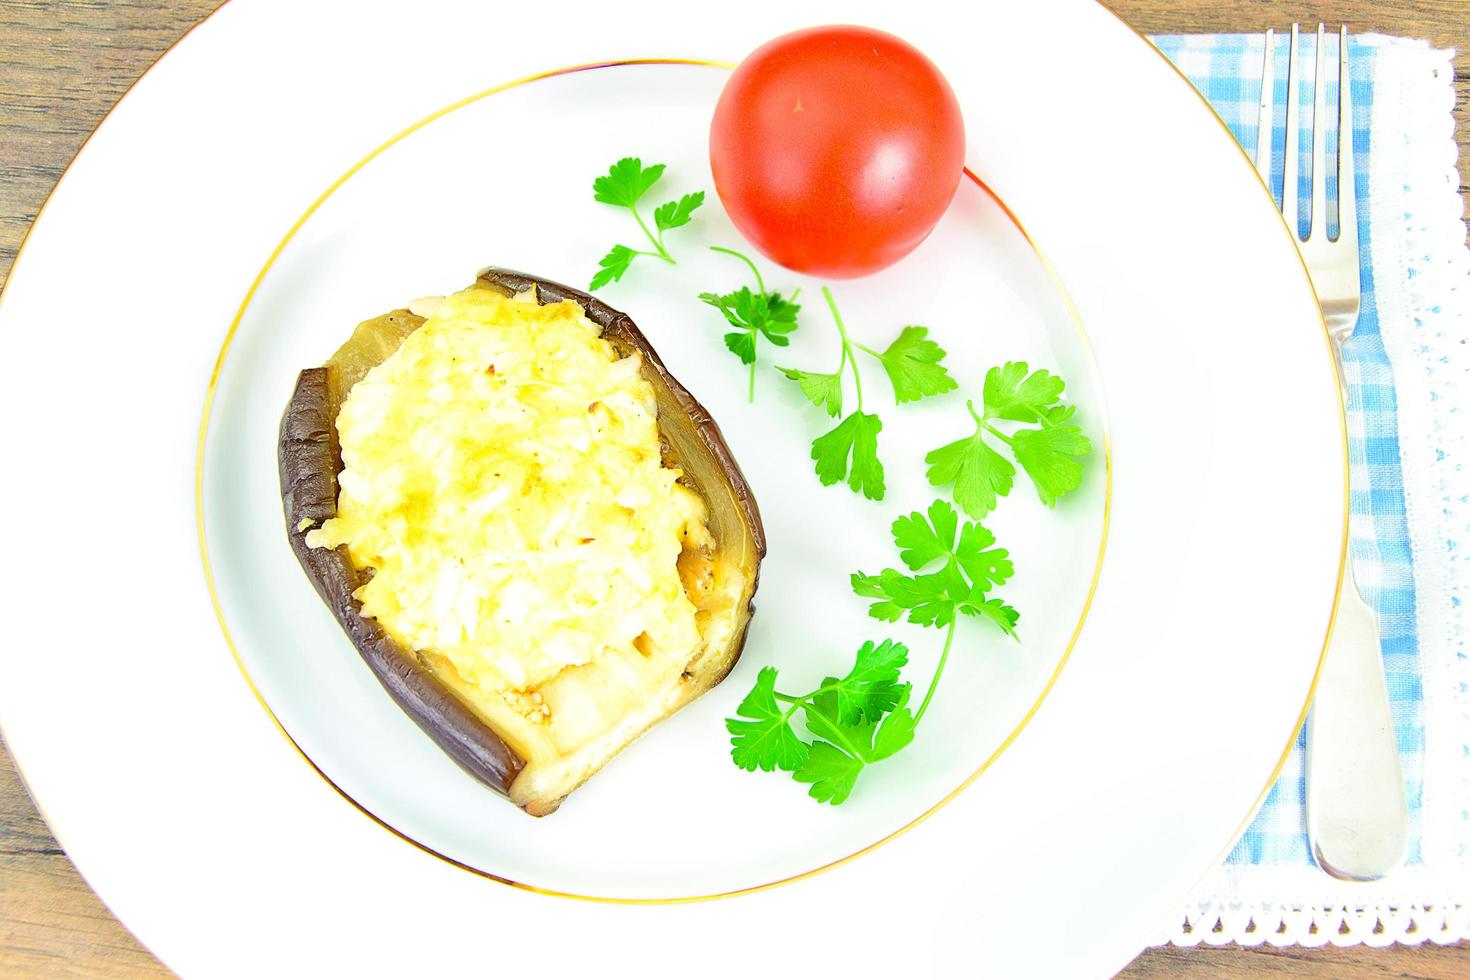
point(503, 478)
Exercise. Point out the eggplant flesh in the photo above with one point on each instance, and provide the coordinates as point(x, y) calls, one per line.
point(420, 681)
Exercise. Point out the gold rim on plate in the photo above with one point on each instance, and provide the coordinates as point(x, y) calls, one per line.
point(239, 662)
point(1338, 389)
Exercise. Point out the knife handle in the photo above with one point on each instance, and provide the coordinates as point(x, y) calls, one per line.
point(1357, 816)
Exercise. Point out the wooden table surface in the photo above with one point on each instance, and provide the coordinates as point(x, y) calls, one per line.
point(63, 65)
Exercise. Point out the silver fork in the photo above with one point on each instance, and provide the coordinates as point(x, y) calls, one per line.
point(1357, 817)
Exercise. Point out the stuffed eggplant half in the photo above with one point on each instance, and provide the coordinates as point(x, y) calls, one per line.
point(535, 537)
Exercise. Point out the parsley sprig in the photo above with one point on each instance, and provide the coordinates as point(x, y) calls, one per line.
point(968, 567)
point(623, 186)
point(754, 315)
point(853, 720)
point(1050, 450)
point(863, 717)
point(850, 450)
point(912, 365)
point(971, 567)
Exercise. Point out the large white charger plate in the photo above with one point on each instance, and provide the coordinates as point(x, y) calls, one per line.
point(1115, 768)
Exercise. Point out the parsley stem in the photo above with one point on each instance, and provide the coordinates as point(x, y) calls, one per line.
point(835, 733)
point(662, 252)
point(760, 283)
point(938, 670)
point(868, 350)
point(806, 698)
point(998, 434)
point(857, 379)
point(794, 702)
point(983, 422)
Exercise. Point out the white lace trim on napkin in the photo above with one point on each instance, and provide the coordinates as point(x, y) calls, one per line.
point(1318, 925)
point(1422, 282)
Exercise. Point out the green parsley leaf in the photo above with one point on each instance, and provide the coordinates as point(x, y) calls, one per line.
point(613, 265)
point(980, 474)
point(756, 314)
point(822, 720)
point(871, 688)
point(782, 311)
point(895, 733)
point(1049, 456)
point(742, 345)
point(923, 541)
point(842, 751)
point(986, 566)
point(676, 214)
point(994, 610)
point(1049, 453)
point(822, 390)
point(932, 598)
point(912, 364)
point(1058, 414)
point(832, 773)
point(731, 305)
point(766, 741)
point(873, 587)
point(971, 567)
point(1010, 393)
point(928, 600)
point(856, 719)
point(855, 436)
point(626, 182)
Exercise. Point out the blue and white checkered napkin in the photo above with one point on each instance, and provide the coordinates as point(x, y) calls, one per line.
point(1409, 375)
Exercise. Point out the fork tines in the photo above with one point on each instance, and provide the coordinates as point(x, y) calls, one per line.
point(1319, 251)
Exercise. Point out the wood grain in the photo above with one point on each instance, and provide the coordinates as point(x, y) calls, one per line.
point(64, 64)
point(51, 924)
point(1428, 962)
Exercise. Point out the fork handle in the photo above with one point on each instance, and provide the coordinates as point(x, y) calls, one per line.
point(1357, 817)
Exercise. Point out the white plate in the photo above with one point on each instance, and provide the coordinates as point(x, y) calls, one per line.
point(416, 221)
point(164, 779)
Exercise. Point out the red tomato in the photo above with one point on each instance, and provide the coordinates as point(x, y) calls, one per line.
point(836, 149)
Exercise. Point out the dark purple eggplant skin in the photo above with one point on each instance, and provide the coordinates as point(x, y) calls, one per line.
point(309, 461)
